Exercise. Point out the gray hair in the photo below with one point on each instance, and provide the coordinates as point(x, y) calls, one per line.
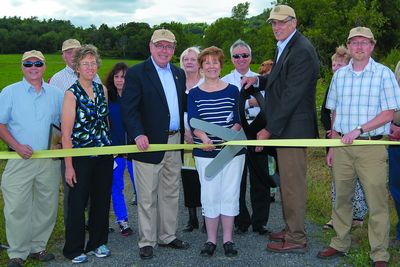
point(83, 51)
point(239, 43)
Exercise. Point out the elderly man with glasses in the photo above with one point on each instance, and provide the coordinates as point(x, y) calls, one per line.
point(152, 111)
point(29, 186)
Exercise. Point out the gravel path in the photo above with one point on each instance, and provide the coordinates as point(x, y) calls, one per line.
point(251, 246)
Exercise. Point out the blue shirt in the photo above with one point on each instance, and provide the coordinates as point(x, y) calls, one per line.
point(220, 108)
point(358, 97)
point(117, 130)
point(28, 115)
point(168, 84)
point(282, 44)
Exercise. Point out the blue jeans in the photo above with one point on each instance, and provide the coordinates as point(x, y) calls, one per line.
point(394, 181)
point(118, 199)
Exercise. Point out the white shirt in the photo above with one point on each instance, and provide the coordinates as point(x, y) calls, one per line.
point(67, 77)
point(234, 78)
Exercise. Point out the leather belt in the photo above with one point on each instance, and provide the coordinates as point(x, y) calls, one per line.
point(172, 132)
point(375, 137)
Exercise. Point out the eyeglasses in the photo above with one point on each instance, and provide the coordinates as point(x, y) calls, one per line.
point(37, 64)
point(359, 43)
point(275, 22)
point(160, 46)
point(88, 64)
point(244, 55)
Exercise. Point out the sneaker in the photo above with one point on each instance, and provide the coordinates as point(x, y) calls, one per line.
point(100, 252)
point(80, 259)
point(125, 229)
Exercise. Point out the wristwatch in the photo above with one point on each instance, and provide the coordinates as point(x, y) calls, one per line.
point(360, 128)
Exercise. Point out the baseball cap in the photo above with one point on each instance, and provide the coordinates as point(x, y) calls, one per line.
point(70, 43)
point(363, 32)
point(281, 12)
point(163, 35)
point(33, 53)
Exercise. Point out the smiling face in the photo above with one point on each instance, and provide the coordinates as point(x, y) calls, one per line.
point(87, 68)
point(211, 67)
point(33, 74)
point(190, 63)
point(282, 29)
point(360, 48)
point(119, 80)
point(162, 52)
point(242, 60)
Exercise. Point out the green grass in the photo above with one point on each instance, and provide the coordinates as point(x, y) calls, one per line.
point(319, 177)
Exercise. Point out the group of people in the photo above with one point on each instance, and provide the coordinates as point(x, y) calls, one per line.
point(145, 105)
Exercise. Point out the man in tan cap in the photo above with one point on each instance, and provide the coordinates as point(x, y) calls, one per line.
point(156, 83)
point(63, 80)
point(290, 113)
point(29, 186)
point(362, 97)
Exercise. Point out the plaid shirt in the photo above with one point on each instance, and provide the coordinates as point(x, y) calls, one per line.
point(358, 97)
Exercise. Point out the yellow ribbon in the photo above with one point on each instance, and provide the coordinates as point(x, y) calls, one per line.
point(112, 150)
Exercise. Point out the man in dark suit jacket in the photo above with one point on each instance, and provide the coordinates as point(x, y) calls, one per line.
point(152, 110)
point(290, 113)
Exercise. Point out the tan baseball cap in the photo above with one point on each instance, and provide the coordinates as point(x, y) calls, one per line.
point(163, 35)
point(363, 32)
point(69, 44)
point(33, 53)
point(281, 12)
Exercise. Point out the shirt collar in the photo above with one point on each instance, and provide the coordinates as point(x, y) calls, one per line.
point(158, 68)
point(69, 69)
point(371, 66)
point(282, 44)
point(27, 86)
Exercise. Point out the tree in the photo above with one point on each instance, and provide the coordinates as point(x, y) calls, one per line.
point(240, 11)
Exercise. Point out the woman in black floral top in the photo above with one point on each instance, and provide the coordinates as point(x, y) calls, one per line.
point(84, 124)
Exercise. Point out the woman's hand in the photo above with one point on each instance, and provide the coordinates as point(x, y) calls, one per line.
point(209, 144)
point(70, 177)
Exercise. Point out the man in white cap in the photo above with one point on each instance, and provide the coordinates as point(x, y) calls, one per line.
point(290, 114)
point(63, 80)
point(29, 186)
point(362, 97)
point(156, 83)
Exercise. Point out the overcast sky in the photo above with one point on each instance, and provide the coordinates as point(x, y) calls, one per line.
point(115, 12)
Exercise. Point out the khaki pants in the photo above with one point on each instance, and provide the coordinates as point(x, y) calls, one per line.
point(369, 164)
point(157, 187)
point(30, 191)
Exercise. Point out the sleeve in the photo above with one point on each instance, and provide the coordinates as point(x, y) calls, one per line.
point(191, 107)
point(331, 98)
point(6, 105)
point(390, 95)
point(130, 104)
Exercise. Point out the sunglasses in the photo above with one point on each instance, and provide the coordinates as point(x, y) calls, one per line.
point(28, 64)
point(241, 55)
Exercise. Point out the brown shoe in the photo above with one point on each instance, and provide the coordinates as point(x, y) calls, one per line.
point(329, 253)
point(287, 247)
point(381, 264)
point(42, 256)
point(278, 236)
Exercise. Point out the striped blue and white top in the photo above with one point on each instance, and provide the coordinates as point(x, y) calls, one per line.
point(220, 107)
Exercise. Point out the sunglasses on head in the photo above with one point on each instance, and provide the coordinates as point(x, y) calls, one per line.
point(245, 55)
point(28, 64)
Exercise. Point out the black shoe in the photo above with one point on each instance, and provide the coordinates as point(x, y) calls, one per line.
point(262, 230)
point(193, 222)
point(229, 249)
point(208, 249)
point(146, 252)
point(240, 230)
point(16, 262)
point(42, 256)
point(176, 244)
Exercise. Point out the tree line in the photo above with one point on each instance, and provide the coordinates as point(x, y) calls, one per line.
point(325, 22)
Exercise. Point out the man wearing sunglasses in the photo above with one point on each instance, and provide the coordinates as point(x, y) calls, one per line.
point(29, 186)
point(241, 59)
point(290, 113)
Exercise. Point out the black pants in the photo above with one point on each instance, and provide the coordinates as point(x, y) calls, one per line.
point(94, 180)
point(259, 192)
point(191, 188)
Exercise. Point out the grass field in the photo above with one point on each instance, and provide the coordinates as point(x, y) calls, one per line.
point(319, 178)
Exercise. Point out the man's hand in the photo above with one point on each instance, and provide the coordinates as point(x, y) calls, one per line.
point(394, 133)
point(25, 151)
point(262, 135)
point(349, 137)
point(142, 142)
point(248, 81)
point(329, 157)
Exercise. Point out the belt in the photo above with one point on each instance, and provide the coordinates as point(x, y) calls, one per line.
point(172, 132)
point(375, 137)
